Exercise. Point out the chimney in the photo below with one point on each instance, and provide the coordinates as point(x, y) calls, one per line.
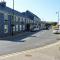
point(3, 3)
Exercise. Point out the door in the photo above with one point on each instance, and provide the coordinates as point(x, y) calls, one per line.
point(27, 27)
point(1, 24)
point(9, 24)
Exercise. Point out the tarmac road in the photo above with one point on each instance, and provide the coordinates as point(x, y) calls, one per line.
point(36, 40)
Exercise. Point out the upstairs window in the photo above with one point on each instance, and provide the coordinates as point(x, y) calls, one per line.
point(5, 16)
point(16, 19)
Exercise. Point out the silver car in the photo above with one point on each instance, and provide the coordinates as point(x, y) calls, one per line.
point(56, 31)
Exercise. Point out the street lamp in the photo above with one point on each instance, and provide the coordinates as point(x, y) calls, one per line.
point(58, 18)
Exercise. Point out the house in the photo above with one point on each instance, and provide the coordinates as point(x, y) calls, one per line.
point(12, 21)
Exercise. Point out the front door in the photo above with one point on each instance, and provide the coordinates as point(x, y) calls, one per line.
point(1, 24)
point(10, 24)
point(27, 27)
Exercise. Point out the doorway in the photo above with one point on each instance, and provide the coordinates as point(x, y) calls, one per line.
point(27, 27)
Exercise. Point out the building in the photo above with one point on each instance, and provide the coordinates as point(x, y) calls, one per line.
point(17, 22)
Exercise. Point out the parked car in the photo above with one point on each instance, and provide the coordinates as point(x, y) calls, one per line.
point(35, 29)
point(56, 31)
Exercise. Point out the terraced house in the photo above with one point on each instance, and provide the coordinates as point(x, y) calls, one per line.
point(24, 21)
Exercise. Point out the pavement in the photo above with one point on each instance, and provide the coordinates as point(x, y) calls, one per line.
point(48, 52)
point(17, 35)
point(28, 41)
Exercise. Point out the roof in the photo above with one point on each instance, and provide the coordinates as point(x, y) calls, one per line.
point(9, 10)
point(30, 15)
point(27, 14)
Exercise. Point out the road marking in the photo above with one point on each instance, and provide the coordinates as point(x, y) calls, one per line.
point(27, 51)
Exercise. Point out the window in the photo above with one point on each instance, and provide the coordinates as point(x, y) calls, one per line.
point(26, 20)
point(16, 27)
point(6, 22)
point(20, 27)
point(19, 18)
point(16, 19)
point(5, 28)
point(30, 21)
point(6, 18)
point(12, 19)
point(23, 27)
point(13, 28)
point(23, 19)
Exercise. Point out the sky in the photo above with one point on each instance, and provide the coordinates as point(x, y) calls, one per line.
point(44, 9)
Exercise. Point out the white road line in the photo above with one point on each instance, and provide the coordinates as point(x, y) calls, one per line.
point(37, 49)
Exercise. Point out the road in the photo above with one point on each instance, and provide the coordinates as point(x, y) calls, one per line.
point(36, 40)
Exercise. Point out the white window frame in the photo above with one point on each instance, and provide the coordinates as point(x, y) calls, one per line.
point(14, 28)
point(17, 27)
point(20, 27)
point(5, 16)
point(16, 18)
point(5, 28)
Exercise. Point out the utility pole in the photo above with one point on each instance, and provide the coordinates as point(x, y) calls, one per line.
point(13, 18)
point(58, 18)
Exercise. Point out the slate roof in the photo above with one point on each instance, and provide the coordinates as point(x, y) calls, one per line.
point(27, 14)
point(9, 10)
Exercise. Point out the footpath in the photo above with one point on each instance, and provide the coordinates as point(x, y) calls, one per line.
point(49, 52)
point(17, 36)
